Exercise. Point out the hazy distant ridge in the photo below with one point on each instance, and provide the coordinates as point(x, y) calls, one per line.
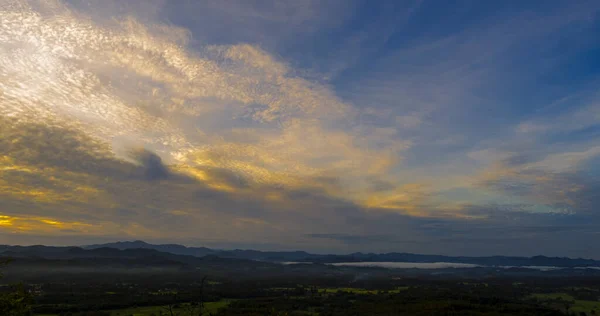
point(282, 256)
point(137, 249)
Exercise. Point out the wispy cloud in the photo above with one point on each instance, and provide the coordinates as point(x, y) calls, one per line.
point(289, 122)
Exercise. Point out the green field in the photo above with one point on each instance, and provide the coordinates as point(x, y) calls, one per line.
point(576, 306)
point(588, 307)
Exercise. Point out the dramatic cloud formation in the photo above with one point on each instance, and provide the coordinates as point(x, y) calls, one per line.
point(234, 124)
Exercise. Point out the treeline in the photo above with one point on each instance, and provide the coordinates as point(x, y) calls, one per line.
point(348, 304)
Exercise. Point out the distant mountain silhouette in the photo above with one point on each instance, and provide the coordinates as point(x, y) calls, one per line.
point(170, 248)
point(191, 255)
point(112, 256)
point(273, 256)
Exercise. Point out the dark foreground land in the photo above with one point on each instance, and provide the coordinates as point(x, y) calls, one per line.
point(116, 282)
point(184, 293)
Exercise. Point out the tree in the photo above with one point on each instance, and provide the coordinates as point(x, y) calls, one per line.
point(197, 308)
point(170, 308)
point(201, 303)
point(16, 302)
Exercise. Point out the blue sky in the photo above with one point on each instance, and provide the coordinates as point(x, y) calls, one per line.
point(467, 128)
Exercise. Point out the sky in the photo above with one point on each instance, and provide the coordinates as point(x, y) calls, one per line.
point(436, 127)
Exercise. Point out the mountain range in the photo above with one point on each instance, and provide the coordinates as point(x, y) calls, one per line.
point(132, 261)
point(180, 253)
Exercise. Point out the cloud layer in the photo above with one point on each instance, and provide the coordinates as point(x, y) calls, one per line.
point(135, 121)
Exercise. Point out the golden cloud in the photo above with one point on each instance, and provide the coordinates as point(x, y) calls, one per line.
point(77, 93)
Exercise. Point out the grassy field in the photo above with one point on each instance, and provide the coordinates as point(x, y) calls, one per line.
point(588, 307)
point(576, 306)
